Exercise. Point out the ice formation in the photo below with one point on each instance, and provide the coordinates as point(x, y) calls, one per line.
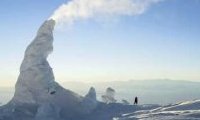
point(36, 91)
point(36, 83)
point(36, 79)
point(109, 96)
point(91, 94)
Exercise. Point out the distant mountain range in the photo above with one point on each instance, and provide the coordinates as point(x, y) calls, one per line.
point(148, 91)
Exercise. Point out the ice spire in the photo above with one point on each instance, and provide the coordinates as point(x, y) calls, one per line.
point(36, 76)
point(37, 94)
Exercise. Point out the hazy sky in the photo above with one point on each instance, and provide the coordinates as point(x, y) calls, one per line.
point(163, 42)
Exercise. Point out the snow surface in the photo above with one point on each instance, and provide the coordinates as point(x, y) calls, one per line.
point(189, 110)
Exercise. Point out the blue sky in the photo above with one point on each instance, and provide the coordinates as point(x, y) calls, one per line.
point(161, 43)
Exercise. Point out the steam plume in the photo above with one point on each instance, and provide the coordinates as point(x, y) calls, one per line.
point(88, 9)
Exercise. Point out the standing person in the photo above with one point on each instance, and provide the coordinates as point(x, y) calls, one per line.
point(136, 101)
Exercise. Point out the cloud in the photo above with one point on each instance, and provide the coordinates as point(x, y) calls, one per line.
point(76, 10)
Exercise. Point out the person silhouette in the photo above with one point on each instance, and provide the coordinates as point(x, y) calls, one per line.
point(136, 101)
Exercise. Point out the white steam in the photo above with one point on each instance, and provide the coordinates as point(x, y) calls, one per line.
point(88, 9)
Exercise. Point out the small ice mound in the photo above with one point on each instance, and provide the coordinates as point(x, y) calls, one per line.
point(109, 96)
point(91, 94)
point(90, 101)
